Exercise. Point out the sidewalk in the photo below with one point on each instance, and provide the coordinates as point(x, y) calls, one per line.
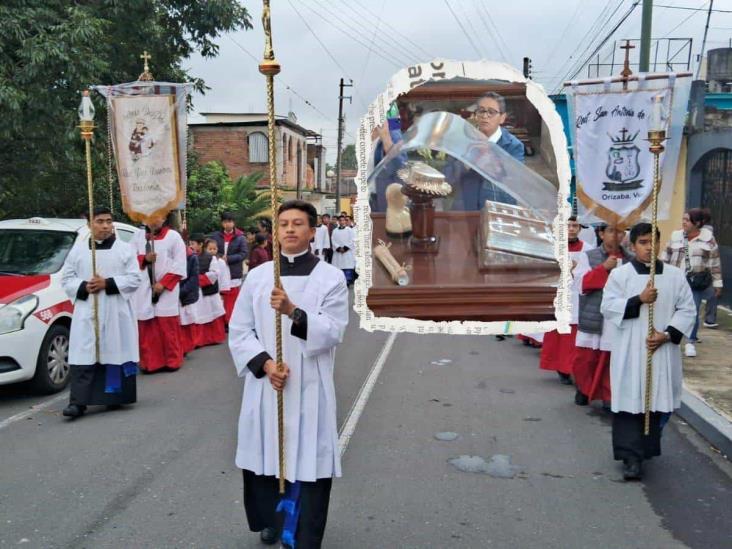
point(707, 400)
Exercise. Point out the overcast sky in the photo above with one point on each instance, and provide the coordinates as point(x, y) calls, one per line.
point(369, 40)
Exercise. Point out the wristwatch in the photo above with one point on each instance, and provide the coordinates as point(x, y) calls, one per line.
point(297, 315)
point(668, 336)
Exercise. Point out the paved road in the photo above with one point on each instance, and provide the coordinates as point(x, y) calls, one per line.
point(161, 473)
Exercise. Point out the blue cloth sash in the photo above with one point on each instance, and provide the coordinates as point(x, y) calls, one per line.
point(113, 377)
point(290, 506)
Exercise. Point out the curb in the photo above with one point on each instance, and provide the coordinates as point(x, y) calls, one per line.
point(707, 422)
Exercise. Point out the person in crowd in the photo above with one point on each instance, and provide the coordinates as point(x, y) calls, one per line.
point(265, 228)
point(213, 280)
point(189, 295)
point(343, 244)
point(593, 342)
point(260, 253)
point(321, 241)
point(161, 253)
point(625, 303)
point(233, 249)
point(107, 378)
point(313, 302)
point(694, 250)
point(557, 352)
point(471, 190)
point(328, 252)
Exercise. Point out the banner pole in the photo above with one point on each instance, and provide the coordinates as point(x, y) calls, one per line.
point(269, 67)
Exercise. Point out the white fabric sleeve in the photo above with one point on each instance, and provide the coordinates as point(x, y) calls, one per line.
point(70, 279)
point(128, 281)
point(614, 298)
point(244, 344)
point(327, 325)
point(179, 264)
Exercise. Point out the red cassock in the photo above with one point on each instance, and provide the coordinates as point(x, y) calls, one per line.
point(229, 297)
point(190, 337)
point(212, 333)
point(557, 351)
point(592, 373)
point(160, 343)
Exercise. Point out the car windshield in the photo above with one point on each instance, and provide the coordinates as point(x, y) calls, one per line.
point(33, 252)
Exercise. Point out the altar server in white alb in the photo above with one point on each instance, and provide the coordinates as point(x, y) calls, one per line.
point(321, 242)
point(314, 307)
point(625, 303)
point(343, 242)
point(161, 253)
point(111, 381)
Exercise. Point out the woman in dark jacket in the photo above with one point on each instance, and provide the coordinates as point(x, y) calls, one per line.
point(233, 249)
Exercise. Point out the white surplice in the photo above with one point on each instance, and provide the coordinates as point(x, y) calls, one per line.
point(321, 241)
point(211, 307)
point(311, 432)
point(343, 237)
point(171, 258)
point(674, 307)
point(117, 322)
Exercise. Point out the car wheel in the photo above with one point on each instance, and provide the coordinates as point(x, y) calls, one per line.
point(52, 367)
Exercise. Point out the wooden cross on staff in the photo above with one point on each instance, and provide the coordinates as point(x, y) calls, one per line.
point(626, 72)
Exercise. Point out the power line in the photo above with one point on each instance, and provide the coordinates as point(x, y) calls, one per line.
point(357, 36)
point(287, 86)
point(555, 49)
point(463, 28)
point(322, 45)
point(607, 37)
point(688, 8)
point(389, 40)
point(503, 48)
point(569, 61)
point(425, 52)
point(478, 36)
point(685, 20)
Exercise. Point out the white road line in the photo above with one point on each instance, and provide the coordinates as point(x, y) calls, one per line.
point(33, 409)
point(349, 425)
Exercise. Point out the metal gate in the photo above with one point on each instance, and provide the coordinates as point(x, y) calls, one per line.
point(717, 193)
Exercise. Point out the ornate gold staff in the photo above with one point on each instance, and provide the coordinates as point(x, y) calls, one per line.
point(656, 137)
point(269, 67)
point(86, 126)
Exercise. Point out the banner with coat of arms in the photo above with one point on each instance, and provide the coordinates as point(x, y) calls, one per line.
point(613, 165)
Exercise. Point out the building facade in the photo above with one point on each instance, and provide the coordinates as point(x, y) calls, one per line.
point(240, 142)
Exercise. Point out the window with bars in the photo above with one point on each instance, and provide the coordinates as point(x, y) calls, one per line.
point(258, 147)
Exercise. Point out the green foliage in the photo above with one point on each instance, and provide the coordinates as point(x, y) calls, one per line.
point(348, 158)
point(212, 192)
point(50, 50)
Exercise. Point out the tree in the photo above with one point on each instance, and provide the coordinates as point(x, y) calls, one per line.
point(50, 50)
point(212, 192)
point(348, 158)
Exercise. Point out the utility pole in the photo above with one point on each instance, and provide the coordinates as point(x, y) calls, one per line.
point(340, 142)
point(645, 45)
point(704, 40)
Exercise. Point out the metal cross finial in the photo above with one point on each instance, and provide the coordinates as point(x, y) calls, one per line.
point(146, 74)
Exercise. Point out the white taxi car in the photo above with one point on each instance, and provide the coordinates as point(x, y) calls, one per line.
point(35, 313)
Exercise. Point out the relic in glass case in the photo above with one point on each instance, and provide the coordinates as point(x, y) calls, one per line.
point(514, 236)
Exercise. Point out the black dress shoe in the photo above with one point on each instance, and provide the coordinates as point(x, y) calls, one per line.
point(632, 469)
point(269, 536)
point(74, 410)
point(564, 379)
point(580, 399)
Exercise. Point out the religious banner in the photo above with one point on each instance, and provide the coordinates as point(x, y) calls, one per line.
point(614, 167)
point(147, 124)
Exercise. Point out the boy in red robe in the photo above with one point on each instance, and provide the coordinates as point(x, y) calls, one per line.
point(557, 352)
